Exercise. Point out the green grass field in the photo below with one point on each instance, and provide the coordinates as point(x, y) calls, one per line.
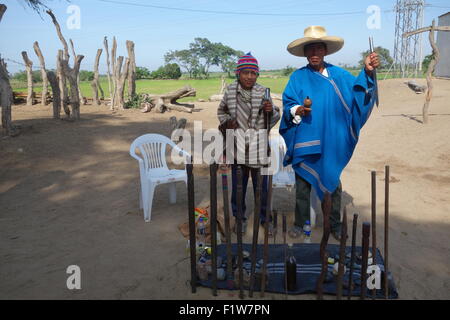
point(205, 88)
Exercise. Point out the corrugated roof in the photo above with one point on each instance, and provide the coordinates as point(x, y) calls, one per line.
point(444, 14)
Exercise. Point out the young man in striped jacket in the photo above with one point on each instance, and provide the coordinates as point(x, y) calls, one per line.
point(242, 110)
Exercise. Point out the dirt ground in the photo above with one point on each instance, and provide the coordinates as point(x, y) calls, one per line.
point(69, 196)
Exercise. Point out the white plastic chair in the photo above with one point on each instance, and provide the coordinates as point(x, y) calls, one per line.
point(153, 168)
point(284, 177)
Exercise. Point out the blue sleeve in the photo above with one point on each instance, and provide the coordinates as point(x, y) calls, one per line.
point(363, 101)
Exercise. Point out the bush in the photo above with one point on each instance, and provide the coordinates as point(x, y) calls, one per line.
point(169, 71)
point(287, 71)
point(86, 75)
point(21, 76)
point(142, 73)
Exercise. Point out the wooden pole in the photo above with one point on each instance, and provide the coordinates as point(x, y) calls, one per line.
point(341, 264)
point(213, 225)
point(38, 52)
point(386, 232)
point(353, 255)
point(29, 67)
point(365, 257)
point(255, 232)
point(374, 223)
point(326, 209)
point(191, 217)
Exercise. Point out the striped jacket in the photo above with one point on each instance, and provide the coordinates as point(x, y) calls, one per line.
point(249, 119)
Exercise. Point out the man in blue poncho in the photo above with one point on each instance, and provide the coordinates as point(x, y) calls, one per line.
point(321, 138)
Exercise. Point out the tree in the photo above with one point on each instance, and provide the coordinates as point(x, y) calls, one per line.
point(186, 59)
point(228, 58)
point(201, 55)
point(384, 54)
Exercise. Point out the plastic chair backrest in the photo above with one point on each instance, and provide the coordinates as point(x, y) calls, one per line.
point(278, 147)
point(153, 150)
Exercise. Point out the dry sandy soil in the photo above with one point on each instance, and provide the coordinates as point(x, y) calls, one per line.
point(69, 196)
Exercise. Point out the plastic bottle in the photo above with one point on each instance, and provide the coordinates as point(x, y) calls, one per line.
point(201, 234)
point(307, 232)
point(291, 269)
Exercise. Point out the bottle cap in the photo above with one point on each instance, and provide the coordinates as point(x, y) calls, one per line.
point(307, 222)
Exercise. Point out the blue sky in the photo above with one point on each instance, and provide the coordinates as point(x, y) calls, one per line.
point(155, 30)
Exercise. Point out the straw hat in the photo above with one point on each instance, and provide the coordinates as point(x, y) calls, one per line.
point(315, 34)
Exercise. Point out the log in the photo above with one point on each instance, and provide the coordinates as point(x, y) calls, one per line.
point(2, 10)
point(120, 75)
point(82, 99)
point(108, 64)
point(60, 36)
point(131, 70)
point(430, 70)
point(62, 85)
point(72, 76)
point(38, 52)
point(29, 68)
point(6, 96)
point(95, 84)
point(169, 100)
point(113, 66)
point(56, 99)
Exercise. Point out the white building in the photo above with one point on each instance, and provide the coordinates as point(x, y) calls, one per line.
point(443, 44)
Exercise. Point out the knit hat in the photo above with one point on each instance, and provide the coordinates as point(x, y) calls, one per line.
point(247, 61)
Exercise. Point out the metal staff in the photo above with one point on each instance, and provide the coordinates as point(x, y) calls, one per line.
point(365, 256)
point(374, 224)
point(352, 258)
point(255, 231)
point(213, 224)
point(326, 209)
point(191, 216)
point(267, 117)
point(342, 255)
point(386, 231)
point(239, 193)
point(226, 215)
point(374, 72)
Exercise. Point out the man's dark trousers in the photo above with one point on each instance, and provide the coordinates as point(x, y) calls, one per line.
point(246, 171)
point(302, 203)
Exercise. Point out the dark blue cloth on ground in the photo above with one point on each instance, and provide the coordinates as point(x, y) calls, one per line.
point(308, 270)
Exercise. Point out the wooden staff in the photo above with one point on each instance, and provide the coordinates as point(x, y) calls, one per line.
point(341, 265)
point(285, 253)
point(239, 193)
point(191, 216)
point(386, 231)
point(275, 225)
point(326, 209)
point(213, 224)
point(255, 231)
point(365, 256)
point(226, 216)
point(353, 255)
point(374, 223)
point(267, 118)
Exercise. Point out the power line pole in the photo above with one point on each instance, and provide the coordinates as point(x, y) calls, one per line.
point(408, 51)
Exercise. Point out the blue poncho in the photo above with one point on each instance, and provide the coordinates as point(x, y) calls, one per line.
point(322, 144)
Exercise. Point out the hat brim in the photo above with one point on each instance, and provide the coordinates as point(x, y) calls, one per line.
point(296, 47)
